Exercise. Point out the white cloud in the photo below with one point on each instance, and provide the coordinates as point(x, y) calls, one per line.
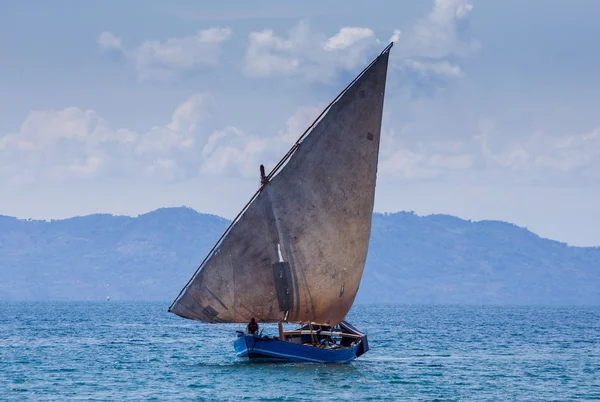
point(214, 35)
point(441, 68)
point(76, 143)
point(107, 41)
point(88, 166)
point(164, 169)
point(43, 127)
point(395, 36)
point(269, 55)
point(188, 114)
point(72, 142)
point(163, 59)
point(406, 164)
point(437, 35)
point(401, 159)
point(426, 46)
point(347, 37)
point(307, 54)
point(179, 133)
point(542, 152)
point(296, 124)
point(451, 162)
point(230, 149)
point(56, 142)
point(491, 154)
point(314, 56)
point(233, 151)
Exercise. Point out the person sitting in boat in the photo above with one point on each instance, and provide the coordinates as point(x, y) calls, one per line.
point(252, 326)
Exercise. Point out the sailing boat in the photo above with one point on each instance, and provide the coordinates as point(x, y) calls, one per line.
point(296, 252)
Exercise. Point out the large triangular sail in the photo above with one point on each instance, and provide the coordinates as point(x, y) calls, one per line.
point(297, 250)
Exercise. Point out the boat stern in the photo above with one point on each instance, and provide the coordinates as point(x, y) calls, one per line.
point(363, 346)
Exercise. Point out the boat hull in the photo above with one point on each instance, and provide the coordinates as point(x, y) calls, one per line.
point(256, 347)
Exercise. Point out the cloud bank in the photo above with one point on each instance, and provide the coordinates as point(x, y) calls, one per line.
point(154, 59)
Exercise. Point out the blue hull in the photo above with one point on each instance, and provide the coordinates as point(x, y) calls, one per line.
point(256, 347)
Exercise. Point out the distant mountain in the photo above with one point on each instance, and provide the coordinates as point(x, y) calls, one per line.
point(412, 259)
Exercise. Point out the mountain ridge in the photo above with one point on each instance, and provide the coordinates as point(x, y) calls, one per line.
point(412, 259)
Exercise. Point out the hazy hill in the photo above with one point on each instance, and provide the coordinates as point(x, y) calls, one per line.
point(412, 259)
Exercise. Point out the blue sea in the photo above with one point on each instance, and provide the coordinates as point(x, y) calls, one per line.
point(137, 351)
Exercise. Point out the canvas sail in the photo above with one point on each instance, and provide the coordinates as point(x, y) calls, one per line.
point(298, 251)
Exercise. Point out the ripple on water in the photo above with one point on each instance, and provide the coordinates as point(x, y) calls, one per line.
point(137, 351)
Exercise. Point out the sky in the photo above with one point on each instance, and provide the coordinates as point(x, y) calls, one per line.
point(492, 108)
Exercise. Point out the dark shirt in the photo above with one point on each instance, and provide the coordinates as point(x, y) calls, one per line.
point(252, 327)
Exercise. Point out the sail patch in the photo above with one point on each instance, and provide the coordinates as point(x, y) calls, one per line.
point(210, 312)
point(283, 285)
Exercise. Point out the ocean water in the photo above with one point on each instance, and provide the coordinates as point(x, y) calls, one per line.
point(137, 351)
